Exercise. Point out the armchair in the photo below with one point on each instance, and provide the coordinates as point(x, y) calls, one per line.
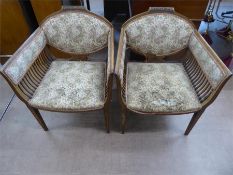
point(181, 73)
point(44, 82)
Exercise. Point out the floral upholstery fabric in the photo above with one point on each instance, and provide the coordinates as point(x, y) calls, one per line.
point(22, 59)
point(159, 87)
point(206, 61)
point(71, 85)
point(158, 33)
point(110, 65)
point(76, 32)
point(121, 58)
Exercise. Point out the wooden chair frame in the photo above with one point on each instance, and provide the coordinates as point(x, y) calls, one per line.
point(35, 73)
point(205, 92)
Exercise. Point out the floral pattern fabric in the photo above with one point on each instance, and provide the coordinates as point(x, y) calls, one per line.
point(71, 85)
point(110, 64)
point(76, 32)
point(160, 87)
point(121, 58)
point(158, 33)
point(22, 59)
point(206, 61)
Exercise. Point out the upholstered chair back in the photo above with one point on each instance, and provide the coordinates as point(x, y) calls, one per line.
point(158, 32)
point(76, 31)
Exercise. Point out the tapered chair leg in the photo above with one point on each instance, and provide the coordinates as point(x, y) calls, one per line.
point(38, 117)
point(193, 121)
point(107, 118)
point(123, 120)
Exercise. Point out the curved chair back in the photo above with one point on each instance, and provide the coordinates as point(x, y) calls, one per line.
point(159, 31)
point(76, 31)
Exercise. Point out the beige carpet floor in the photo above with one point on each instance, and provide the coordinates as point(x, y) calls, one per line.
point(77, 144)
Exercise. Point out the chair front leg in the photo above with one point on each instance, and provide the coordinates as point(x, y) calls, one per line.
point(193, 121)
point(108, 102)
point(107, 118)
point(123, 119)
point(38, 117)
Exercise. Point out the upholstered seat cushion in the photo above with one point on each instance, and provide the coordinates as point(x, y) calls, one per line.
point(71, 85)
point(159, 87)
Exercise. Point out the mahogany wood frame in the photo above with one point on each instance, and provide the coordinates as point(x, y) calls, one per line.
point(35, 73)
point(206, 94)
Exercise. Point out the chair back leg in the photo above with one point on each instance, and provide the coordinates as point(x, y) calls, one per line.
point(107, 118)
point(193, 121)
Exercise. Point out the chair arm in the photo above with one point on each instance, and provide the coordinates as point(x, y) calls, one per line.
point(27, 66)
point(110, 63)
point(120, 63)
point(19, 63)
point(212, 66)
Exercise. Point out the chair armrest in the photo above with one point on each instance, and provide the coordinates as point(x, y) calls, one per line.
point(120, 63)
point(212, 66)
point(110, 66)
point(16, 67)
point(110, 63)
